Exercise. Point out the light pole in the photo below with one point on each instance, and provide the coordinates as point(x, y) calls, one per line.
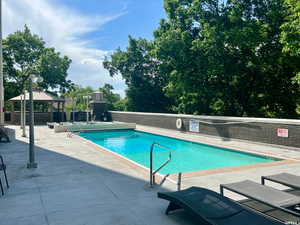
point(23, 115)
point(1, 73)
point(31, 163)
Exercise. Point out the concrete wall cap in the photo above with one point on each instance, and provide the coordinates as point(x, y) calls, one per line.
point(222, 118)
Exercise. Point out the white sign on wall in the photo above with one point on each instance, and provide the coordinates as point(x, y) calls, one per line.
point(194, 126)
point(282, 132)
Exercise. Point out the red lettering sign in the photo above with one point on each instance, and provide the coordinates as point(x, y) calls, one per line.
point(282, 132)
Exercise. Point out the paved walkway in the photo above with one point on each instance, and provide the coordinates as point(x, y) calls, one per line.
point(76, 184)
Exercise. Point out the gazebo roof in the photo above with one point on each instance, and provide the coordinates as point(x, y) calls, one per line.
point(40, 96)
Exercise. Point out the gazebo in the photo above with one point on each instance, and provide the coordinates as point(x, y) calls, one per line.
point(39, 96)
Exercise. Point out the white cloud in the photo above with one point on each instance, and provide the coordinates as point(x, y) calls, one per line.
point(61, 27)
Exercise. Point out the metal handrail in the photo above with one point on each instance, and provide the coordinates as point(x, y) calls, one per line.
point(152, 173)
point(69, 133)
point(179, 181)
point(165, 163)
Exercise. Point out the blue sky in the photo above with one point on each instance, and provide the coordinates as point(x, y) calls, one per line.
point(85, 30)
point(138, 18)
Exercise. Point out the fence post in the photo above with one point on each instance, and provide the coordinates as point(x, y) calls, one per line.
point(179, 182)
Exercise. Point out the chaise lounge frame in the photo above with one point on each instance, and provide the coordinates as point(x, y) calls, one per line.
point(211, 208)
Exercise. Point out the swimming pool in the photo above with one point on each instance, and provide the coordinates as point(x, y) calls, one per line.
point(186, 155)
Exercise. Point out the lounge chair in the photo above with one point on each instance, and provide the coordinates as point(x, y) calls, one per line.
point(3, 167)
point(287, 179)
point(211, 208)
point(51, 124)
point(3, 135)
point(267, 195)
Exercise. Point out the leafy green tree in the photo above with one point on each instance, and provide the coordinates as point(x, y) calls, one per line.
point(140, 69)
point(216, 58)
point(226, 58)
point(53, 68)
point(290, 35)
point(24, 54)
point(110, 97)
point(121, 105)
point(77, 97)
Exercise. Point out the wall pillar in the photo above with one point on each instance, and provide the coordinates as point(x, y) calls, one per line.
point(58, 111)
point(63, 112)
point(51, 111)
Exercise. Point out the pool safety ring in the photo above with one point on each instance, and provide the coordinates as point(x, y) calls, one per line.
point(179, 123)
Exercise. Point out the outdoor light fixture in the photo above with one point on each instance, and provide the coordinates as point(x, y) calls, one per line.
point(23, 114)
point(32, 163)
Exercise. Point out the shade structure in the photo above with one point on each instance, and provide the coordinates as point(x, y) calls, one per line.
point(39, 96)
point(54, 104)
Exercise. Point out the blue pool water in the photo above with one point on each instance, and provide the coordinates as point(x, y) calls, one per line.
point(186, 155)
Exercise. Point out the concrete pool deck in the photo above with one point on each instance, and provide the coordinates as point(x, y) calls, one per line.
point(78, 184)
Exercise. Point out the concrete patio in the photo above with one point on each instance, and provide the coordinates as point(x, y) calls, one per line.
point(77, 184)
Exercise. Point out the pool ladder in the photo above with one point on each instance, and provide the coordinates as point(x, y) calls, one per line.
point(153, 172)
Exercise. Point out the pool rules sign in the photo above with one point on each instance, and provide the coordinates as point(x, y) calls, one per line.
point(194, 126)
point(282, 132)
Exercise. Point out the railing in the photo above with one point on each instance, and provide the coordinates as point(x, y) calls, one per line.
point(69, 133)
point(152, 173)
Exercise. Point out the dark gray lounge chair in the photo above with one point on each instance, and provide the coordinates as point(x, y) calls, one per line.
point(211, 208)
point(51, 125)
point(264, 194)
point(287, 179)
point(3, 167)
point(3, 135)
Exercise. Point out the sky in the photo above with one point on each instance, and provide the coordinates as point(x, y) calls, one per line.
point(85, 30)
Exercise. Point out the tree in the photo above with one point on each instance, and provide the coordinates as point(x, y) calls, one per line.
point(78, 97)
point(290, 35)
point(140, 69)
point(216, 58)
point(24, 54)
point(53, 68)
point(110, 97)
point(121, 105)
point(226, 58)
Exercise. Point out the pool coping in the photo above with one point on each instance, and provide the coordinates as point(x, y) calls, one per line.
point(234, 148)
point(185, 175)
point(125, 160)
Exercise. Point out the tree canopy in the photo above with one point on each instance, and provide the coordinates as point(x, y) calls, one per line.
point(110, 98)
point(232, 58)
point(77, 96)
point(140, 69)
point(25, 54)
point(290, 35)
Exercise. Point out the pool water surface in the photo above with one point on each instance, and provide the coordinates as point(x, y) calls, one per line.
point(186, 156)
